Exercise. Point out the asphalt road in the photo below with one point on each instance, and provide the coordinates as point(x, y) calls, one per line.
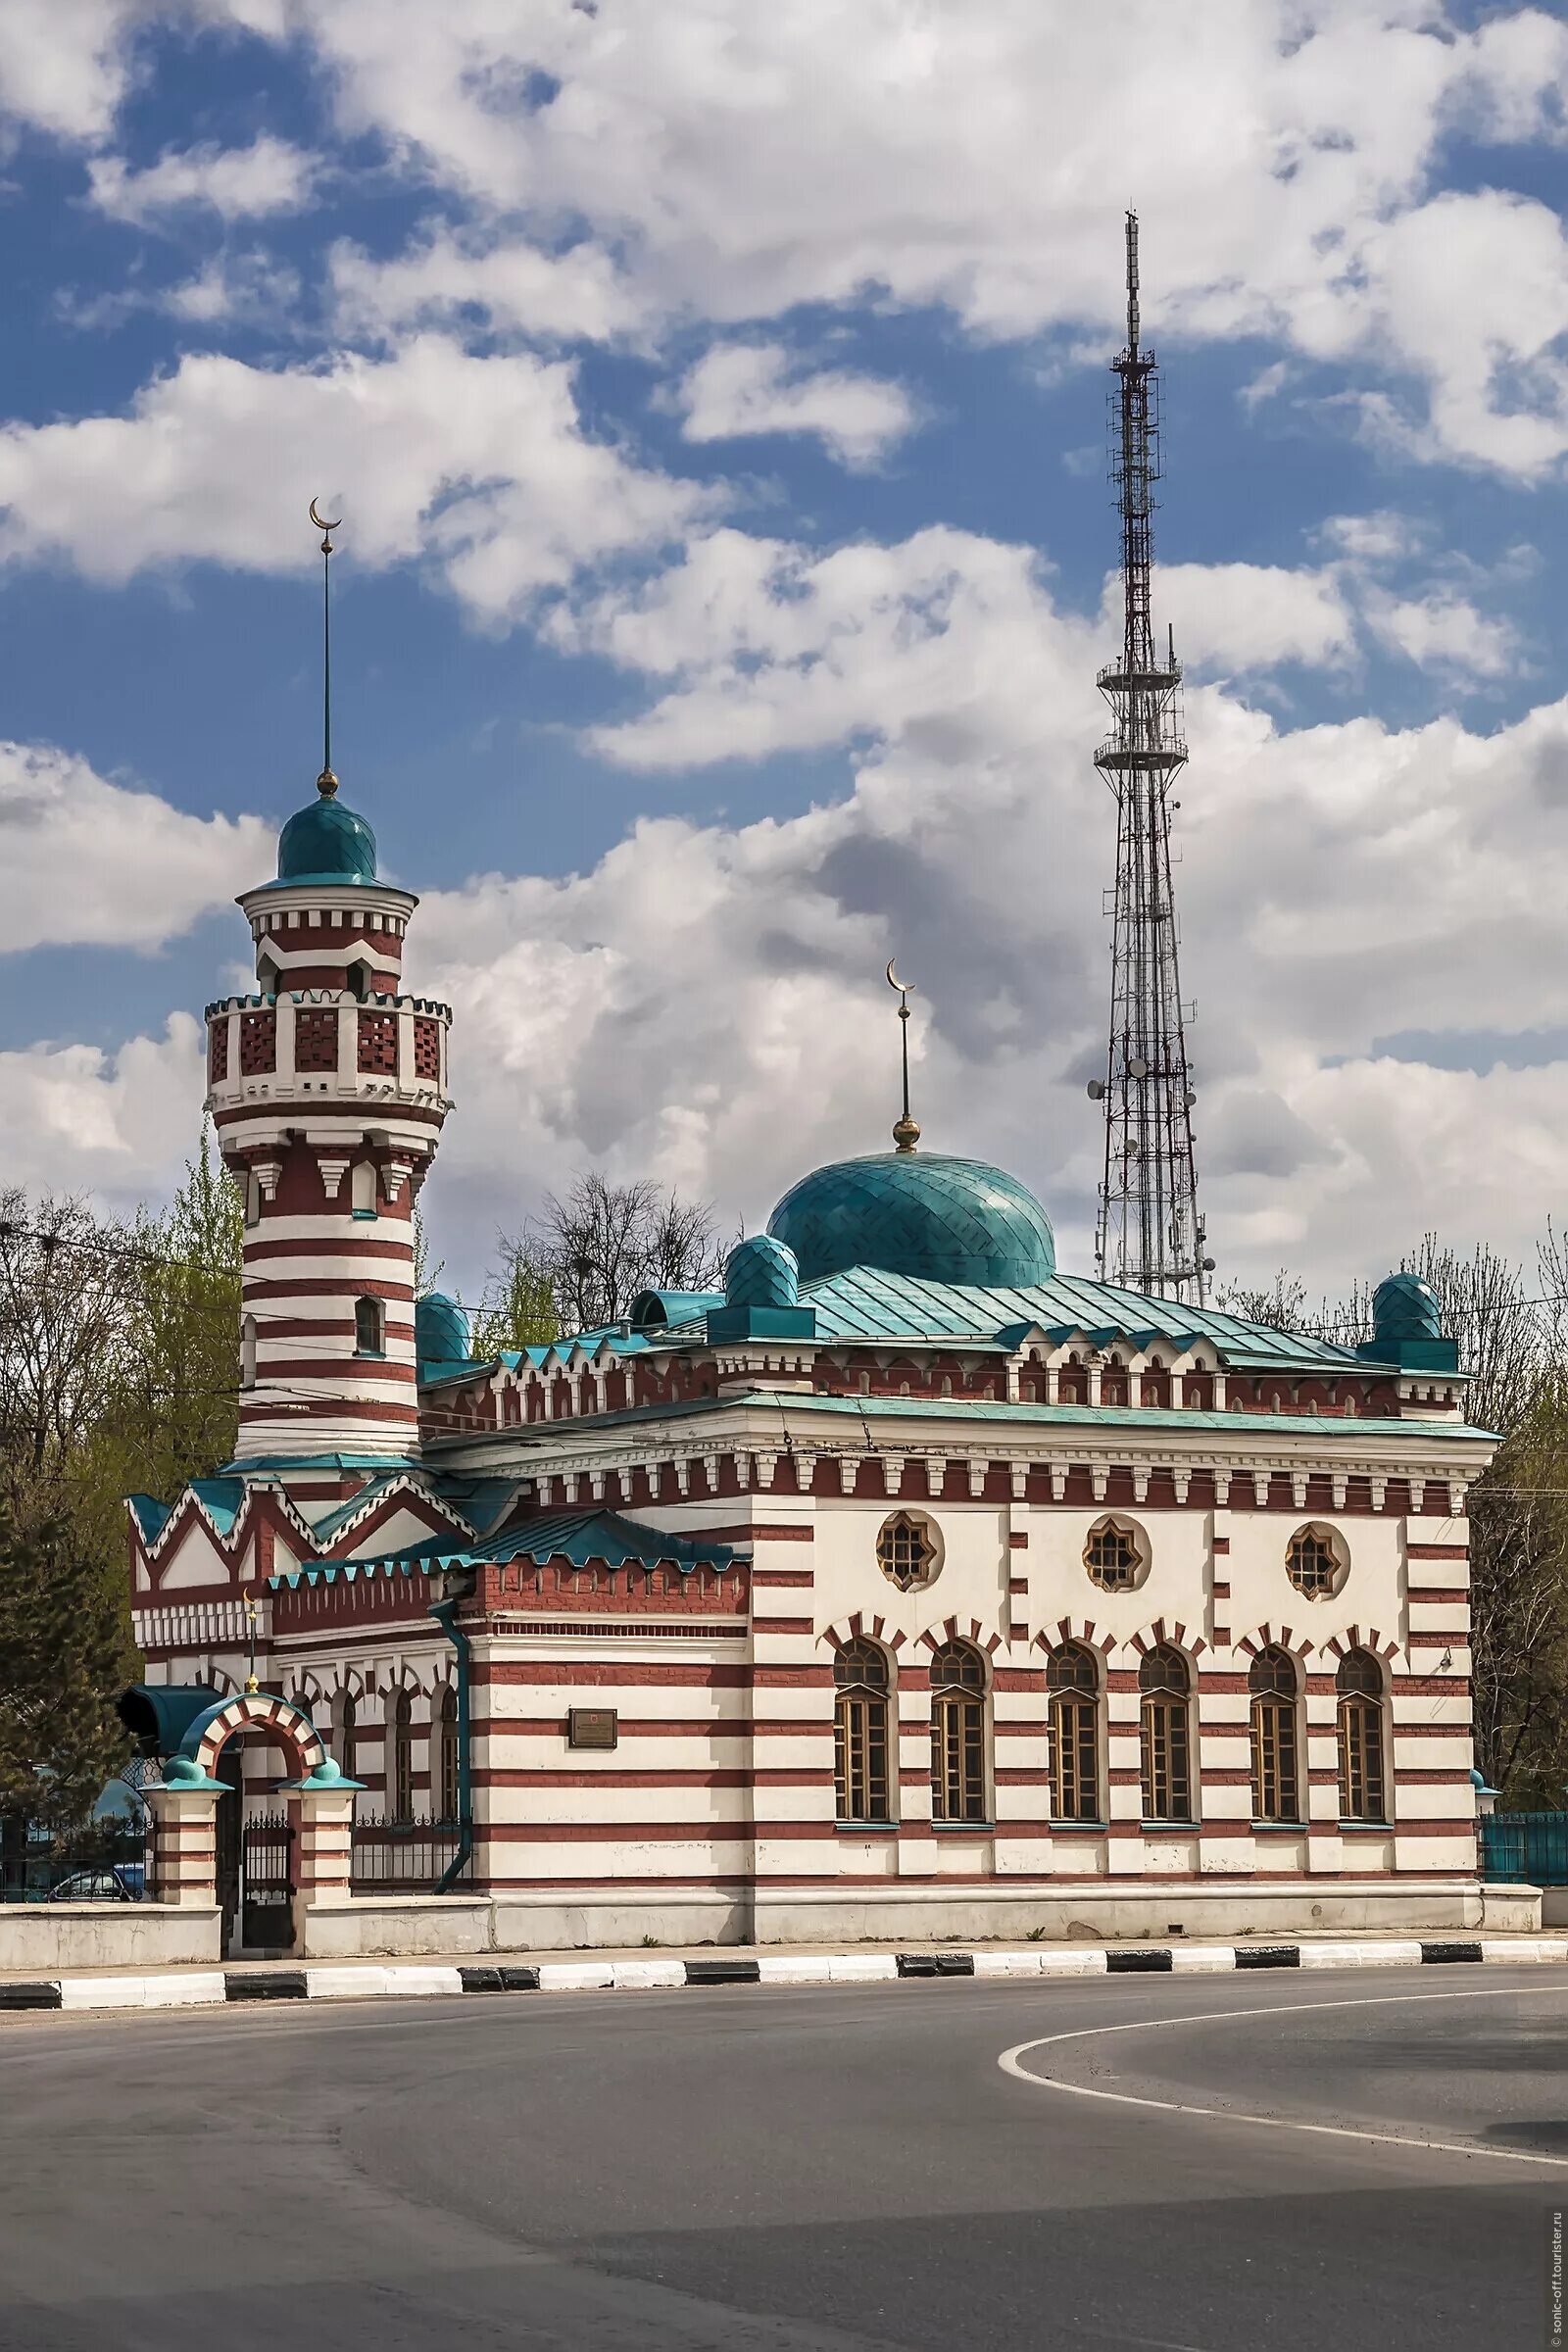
point(820, 2171)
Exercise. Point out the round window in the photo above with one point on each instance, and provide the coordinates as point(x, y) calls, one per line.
point(908, 1549)
point(1316, 1562)
point(1116, 1555)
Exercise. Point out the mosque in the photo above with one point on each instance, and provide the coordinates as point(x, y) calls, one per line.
point(909, 1586)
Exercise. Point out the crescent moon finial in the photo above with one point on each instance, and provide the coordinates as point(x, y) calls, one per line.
point(904, 987)
point(323, 524)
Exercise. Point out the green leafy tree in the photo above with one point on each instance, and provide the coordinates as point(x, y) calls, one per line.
point(62, 1661)
point(519, 1308)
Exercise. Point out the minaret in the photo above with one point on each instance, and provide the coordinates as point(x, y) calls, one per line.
point(328, 1091)
point(1149, 1236)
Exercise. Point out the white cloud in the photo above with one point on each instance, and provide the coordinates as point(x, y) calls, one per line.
point(754, 388)
point(479, 464)
point(227, 289)
point(86, 861)
point(706, 1003)
point(1444, 632)
point(1249, 616)
point(1381, 537)
point(1287, 150)
point(64, 68)
point(236, 182)
point(516, 287)
point(655, 1012)
point(77, 1120)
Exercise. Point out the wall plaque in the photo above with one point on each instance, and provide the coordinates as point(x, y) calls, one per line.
point(593, 1727)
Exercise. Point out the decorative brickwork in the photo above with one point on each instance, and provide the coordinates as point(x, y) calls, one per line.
point(378, 1043)
point(427, 1047)
point(316, 1038)
point(257, 1043)
point(218, 1051)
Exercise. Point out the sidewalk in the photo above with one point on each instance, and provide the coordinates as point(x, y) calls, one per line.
point(645, 1969)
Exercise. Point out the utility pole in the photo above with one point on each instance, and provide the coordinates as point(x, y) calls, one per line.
point(1149, 1235)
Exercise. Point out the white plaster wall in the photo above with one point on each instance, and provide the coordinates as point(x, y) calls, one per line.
point(972, 1581)
point(1176, 1586)
point(196, 1562)
point(1372, 1596)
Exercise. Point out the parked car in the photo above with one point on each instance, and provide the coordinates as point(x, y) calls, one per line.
point(115, 1884)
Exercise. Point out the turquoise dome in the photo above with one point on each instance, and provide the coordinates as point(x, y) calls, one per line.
point(761, 1272)
point(441, 1334)
point(1404, 1308)
point(326, 843)
point(919, 1214)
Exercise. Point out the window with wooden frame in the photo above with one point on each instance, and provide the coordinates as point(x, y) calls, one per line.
point(1115, 1555)
point(1315, 1562)
point(1273, 1685)
point(861, 1684)
point(369, 1328)
point(959, 1734)
point(908, 1550)
point(400, 1761)
point(446, 1757)
point(1359, 1697)
point(1072, 1683)
point(1164, 1721)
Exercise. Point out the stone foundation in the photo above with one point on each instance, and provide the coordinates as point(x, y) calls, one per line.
point(45, 1938)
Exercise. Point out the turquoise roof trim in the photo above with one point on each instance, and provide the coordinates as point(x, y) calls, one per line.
point(151, 1515)
point(1108, 1416)
point(916, 1214)
point(575, 1535)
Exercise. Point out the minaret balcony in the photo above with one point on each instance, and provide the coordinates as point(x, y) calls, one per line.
point(328, 1046)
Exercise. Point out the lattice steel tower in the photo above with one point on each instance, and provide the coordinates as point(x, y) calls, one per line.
point(1149, 1236)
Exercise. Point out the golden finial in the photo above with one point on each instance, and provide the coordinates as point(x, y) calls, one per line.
point(906, 1134)
point(252, 1686)
point(326, 782)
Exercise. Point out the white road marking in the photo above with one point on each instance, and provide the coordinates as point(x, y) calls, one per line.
point(1011, 2062)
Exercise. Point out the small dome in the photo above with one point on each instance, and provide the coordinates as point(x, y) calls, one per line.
point(919, 1214)
point(761, 1272)
point(326, 843)
point(1404, 1308)
point(441, 1334)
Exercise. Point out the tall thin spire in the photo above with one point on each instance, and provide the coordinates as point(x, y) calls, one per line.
point(905, 1132)
point(1149, 1236)
point(326, 782)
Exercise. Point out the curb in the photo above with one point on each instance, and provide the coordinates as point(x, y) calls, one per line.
point(214, 1987)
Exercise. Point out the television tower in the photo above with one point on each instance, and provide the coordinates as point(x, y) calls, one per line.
point(1149, 1235)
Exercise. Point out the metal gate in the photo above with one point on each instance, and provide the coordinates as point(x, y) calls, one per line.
point(267, 1884)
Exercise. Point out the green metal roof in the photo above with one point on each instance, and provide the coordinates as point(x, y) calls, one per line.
point(1109, 1416)
point(326, 843)
point(575, 1535)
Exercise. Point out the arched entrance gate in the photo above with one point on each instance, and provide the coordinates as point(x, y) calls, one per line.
point(264, 1871)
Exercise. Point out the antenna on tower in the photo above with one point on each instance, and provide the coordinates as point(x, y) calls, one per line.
point(1149, 1235)
point(326, 782)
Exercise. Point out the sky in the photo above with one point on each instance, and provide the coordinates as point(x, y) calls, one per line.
point(716, 401)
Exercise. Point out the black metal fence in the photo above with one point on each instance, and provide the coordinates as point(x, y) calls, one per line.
point(404, 1857)
point(109, 1861)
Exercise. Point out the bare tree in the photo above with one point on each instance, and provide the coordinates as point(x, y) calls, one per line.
point(604, 1243)
point(67, 1306)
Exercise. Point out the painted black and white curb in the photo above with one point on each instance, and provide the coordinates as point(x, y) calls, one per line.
point(352, 1981)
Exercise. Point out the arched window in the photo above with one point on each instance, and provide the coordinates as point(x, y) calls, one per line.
point(400, 1759)
point(368, 1329)
point(1072, 1681)
point(446, 1756)
point(247, 1353)
point(361, 1188)
point(1363, 1786)
point(861, 1733)
point(1276, 1772)
point(1165, 1683)
point(348, 1715)
point(958, 1733)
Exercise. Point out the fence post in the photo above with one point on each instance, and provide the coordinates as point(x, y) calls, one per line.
point(321, 1812)
point(184, 1810)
